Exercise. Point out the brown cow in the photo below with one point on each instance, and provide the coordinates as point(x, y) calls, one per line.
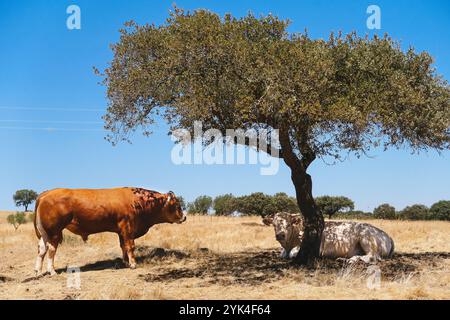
point(129, 212)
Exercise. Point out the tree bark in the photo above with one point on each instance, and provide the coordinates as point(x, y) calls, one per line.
point(313, 222)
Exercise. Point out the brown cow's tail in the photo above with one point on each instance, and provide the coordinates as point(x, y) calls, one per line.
point(38, 228)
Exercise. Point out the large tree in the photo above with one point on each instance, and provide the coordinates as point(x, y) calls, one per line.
point(326, 98)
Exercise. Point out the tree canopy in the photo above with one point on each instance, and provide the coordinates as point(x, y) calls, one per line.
point(330, 205)
point(441, 210)
point(343, 93)
point(415, 212)
point(201, 205)
point(16, 219)
point(384, 211)
point(224, 205)
point(23, 198)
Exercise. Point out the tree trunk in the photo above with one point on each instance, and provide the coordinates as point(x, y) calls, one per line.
point(313, 222)
point(26, 208)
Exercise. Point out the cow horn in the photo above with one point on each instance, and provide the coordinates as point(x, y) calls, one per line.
point(171, 194)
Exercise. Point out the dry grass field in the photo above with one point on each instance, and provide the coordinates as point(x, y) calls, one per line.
point(223, 258)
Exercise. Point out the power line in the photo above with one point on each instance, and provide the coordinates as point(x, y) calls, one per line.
point(52, 121)
point(53, 129)
point(54, 109)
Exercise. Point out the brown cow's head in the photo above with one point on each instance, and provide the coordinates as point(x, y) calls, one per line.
point(172, 209)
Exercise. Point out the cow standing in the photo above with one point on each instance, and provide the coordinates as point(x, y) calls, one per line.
point(340, 239)
point(129, 212)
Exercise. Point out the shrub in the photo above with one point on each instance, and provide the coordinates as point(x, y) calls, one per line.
point(224, 205)
point(415, 212)
point(16, 219)
point(329, 205)
point(384, 211)
point(354, 214)
point(201, 205)
point(440, 210)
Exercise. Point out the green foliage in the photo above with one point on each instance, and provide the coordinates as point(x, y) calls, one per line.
point(16, 219)
point(224, 205)
point(346, 93)
point(354, 214)
point(384, 211)
point(329, 205)
point(252, 204)
point(262, 204)
point(440, 210)
point(23, 198)
point(200, 205)
point(281, 202)
point(415, 212)
point(182, 203)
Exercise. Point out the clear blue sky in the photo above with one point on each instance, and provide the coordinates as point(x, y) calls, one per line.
point(46, 81)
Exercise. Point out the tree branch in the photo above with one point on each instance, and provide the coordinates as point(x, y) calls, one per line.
point(270, 150)
point(289, 156)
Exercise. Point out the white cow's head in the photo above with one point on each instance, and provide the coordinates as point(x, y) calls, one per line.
point(287, 226)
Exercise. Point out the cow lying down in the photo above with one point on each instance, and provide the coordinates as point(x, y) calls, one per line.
point(340, 239)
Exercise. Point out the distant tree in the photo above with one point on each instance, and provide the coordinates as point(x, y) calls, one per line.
point(281, 202)
point(325, 97)
point(16, 219)
point(354, 214)
point(415, 212)
point(253, 204)
point(182, 203)
point(384, 211)
point(201, 205)
point(441, 210)
point(224, 205)
point(23, 198)
point(330, 205)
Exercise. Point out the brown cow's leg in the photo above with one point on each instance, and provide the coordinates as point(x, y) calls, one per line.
point(52, 246)
point(129, 246)
point(42, 250)
point(124, 250)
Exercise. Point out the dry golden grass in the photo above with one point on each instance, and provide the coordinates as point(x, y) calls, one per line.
point(223, 258)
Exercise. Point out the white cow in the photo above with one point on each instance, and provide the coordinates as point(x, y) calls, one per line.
point(340, 239)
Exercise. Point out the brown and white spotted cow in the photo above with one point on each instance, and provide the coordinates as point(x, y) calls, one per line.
point(129, 212)
point(340, 239)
